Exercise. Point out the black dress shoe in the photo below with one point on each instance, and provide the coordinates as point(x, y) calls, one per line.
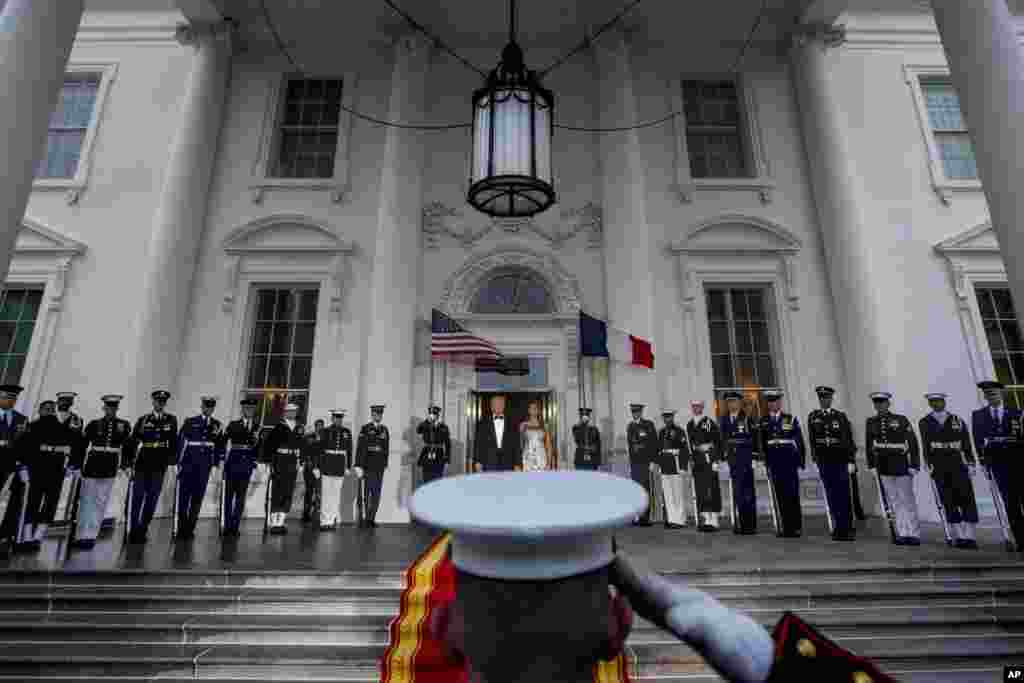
point(27, 547)
point(372, 523)
point(326, 527)
point(645, 522)
point(675, 526)
point(748, 532)
point(83, 544)
point(231, 533)
point(913, 541)
point(967, 544)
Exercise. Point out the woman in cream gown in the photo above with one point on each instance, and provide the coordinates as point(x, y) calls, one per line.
point(535, 442)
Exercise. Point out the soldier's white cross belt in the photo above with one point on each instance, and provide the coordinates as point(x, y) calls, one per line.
point(336, 452)
point(288, 451)
point(891, 446)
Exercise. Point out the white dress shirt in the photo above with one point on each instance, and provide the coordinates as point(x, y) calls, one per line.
point(499, 428)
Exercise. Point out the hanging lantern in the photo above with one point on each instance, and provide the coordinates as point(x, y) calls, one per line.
point(510, 171)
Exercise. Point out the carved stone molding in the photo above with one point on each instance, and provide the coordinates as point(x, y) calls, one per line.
point(827, 35)
point(441, 220)
point(462, 286)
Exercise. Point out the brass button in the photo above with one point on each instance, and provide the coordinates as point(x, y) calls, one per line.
point(861, 677)
point(806, 648)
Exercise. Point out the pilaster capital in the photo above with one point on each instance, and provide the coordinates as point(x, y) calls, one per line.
point(824, 35)
point(195, 33)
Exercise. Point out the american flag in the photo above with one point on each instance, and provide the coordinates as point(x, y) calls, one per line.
point(449, 341)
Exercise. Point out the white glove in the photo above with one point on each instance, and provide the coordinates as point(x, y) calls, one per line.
point(914, 471)
point(714, 466)
point(851, 468)
point(23, 475)
point(316, 472)
point(359, 472)
point(262, 468)
point(931, 469)
point(737, 646)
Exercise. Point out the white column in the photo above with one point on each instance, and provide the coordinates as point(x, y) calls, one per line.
point(387, 372)
point(848, 239)
point(987, 69)
point(629, 245)
point(36, 37)
point(180, 218)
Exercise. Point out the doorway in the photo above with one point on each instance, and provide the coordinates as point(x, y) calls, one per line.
point(515, 414)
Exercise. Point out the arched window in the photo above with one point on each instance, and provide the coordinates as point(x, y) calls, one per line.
point(513, 290)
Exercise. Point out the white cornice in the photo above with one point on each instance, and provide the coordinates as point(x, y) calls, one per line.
point(155, 34)
point(898, 38)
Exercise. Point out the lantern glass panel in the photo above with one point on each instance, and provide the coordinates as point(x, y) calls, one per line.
point(481, 139)
point(512, 142)
point(542, 138)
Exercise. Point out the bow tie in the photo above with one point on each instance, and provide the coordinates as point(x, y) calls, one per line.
point(499, 417)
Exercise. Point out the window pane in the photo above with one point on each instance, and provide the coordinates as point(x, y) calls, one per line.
point(15, 365)
point(1011, 332)
point(7, 333)
point(32, 300)
point(261, 338)
point(300, 373)
point(995, 339)
point(281, 341)
point(743, 342)
point(1002, 365)
point(277, 373)
point(716, 304)
point(307, 305)
point(957, 155)
point(739, 305)
point(257, 371)
point(23, 338)
point(745, 373)
point(265, 304)
point(766, 371)
point(719, 337)
point(304, 334)
point(761, 341)
point(985, 303)
point(11, 308)
point(722, 368)
point(285, 305)
point(1003, 302)
point(755, 300)
point(943, 106)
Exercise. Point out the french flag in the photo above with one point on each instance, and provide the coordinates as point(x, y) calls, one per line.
point(598, 339)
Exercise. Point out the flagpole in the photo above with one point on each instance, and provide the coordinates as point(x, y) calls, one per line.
point(431, 382)
point(444, 387)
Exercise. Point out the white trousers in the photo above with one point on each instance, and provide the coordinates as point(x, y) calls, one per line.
point(92, 507)
point(962, 531)
point(900, 492)
point(672, 487)
point(349, 499)
point(330, 500)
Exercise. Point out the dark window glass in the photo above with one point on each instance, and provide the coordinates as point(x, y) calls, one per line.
point(18, 310)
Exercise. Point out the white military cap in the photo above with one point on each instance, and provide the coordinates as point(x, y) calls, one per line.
point(530, 526)
point(881, 396)
point(935, 396)
point(291, 406)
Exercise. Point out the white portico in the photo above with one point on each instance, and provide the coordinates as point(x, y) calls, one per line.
point(231, 216)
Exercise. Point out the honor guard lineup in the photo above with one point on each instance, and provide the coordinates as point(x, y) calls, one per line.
point(37, 456)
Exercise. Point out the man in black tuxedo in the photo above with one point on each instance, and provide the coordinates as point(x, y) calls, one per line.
point(497, 442)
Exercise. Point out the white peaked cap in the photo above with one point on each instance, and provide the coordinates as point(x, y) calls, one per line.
point(530, 526)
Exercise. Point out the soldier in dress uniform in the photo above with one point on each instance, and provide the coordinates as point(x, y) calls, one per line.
point(999, 438)
point(69, 418)
point(674, 458)
point(311, 481)
point(739, 432)
point(14, 473)
point(564, 613)
point(47, 448)
point(154, 448)
point(833, 451)
point(106, 441)
point(892, 448)
point(201, 450)
point(782, 444)
point(588, 442)
point(372, 451)
point(242, 438)
point(283, 450)
point(331, 462)
point(706, 452)
point(642, 441)
point(437, 445)
point(947, 451)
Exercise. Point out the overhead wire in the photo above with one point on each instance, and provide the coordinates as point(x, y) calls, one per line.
point(454, 126)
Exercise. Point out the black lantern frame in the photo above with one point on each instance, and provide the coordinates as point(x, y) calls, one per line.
point(513, 122)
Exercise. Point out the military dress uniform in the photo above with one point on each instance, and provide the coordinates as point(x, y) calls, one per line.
point(333, 460)
point(674, 458)
point(947, 451)
point(999, 439)
point(706, 449)
point(201, 448)
point(642, 441)
point(739, 433)
point(587, 438)
point(242, 437)
point(154, 449)
point(372, 451)
point(782, 443)
point(833, 451)
point(892, 449)
point(283, 451)
point(13, 470)
point(437, 446)
point(74, 422)
point(47, 448)
point(107, 442)
point(312, 494)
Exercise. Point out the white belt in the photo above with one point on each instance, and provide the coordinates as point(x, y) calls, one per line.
point(891, 446)
point(243, 448)
point(776, 442)
point(706, 447)
point(373, 448)
point(4, 442)
point(828, 441)
point(336, 452)
point(287, 451)
point(199, 443)
point(66, 450)
point(106, 449)
point(951, 445)
point(673, 451)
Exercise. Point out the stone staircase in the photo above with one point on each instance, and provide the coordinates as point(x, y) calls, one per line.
point(937, 623)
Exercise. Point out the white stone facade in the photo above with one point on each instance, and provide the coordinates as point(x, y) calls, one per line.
point(871, 280)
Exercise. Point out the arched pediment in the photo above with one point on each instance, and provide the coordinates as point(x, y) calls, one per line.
point(283, 233)
point(738, 233)
point(36, 238)
point(461, 287)
point(981, 238)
